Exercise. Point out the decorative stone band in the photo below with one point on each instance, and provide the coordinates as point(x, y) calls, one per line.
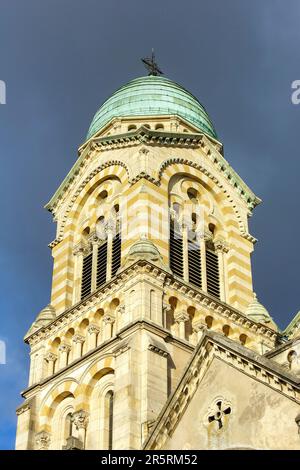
point(211, 346)
point(200, 298)
point(157, 350)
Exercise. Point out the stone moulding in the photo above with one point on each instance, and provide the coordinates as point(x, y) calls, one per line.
point(145, 267)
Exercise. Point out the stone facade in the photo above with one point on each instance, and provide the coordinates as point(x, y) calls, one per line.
point(126, 365)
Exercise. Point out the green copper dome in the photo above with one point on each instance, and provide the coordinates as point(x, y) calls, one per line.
point(152, 96)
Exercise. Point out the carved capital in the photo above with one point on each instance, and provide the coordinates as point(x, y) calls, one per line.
point(79, 249)
point(94, 238)
point(80, 419)
point(181, 316)
point(93, 329)
point(42, 440)
point(64, 348)
point(221, 245)
point(50, 357)
point(198, 326)
point(109, 318)
point(78, 338)
point(121, 309)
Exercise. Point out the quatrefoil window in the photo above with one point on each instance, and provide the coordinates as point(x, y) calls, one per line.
point(218, 412)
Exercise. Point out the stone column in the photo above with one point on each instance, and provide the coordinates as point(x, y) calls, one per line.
point(221, 249)
point(50, 358)
point(108, 319)
point(78, 252)
point(198, 330)
point(80, 419)
point(78, 342)
point(93, 330)
point(94, 240)
point(203, 263)
point(110, 229)
point(120, 319)
point(42, 440)
point(185, 248)
point(64, 350)
point(181, 317)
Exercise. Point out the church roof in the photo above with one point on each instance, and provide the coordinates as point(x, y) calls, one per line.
point(152, 96)
point(46, 316)
point(215, 345)
point(257, 312)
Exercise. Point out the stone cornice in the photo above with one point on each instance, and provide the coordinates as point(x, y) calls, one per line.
point(148, 137)
point(215, 345)
point(191, 293)
point(115, 346)
point(282, 347)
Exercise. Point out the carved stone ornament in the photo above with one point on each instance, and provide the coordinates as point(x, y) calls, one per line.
point(109, 318)
point(78, 338)
point(181, 316)
point(64, 348)
point(121, 309)
point(93, 329)
point(80, 419)
point(50, 357)
point(80, 249)
point(218, 413)
point(42, 440)
point(221, 245)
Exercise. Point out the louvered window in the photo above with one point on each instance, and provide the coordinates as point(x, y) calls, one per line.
point(176, 252)
point(86, 282)
point(101, 264)
point(194, 261)
point(212, 273)
point(116, 254)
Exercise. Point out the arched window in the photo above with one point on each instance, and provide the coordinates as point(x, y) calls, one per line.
point(131, 127)
point(68, 426)
point(159, 127)
point(212, 271)
point(86, 281)
point(176, 250)
point(108, 420)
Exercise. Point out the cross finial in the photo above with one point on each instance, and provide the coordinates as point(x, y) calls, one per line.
point(151, 65)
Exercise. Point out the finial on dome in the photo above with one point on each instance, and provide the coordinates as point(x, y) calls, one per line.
point(151, 65)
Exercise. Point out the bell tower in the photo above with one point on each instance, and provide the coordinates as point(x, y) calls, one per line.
point(152, 249)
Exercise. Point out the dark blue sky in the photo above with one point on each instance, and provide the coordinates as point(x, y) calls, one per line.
point(61, 58)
